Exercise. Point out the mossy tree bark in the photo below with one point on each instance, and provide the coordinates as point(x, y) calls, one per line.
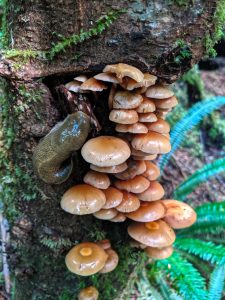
point(158, 36)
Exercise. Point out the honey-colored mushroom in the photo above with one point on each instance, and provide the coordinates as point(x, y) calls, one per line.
point(106, 214)
point(97, 179)
point(146, 157)
point(123, 116)
point(148, 212)
point(104, 244)
point(138, 152)
point(123, 70)
point(152, 171)
point(134, 168)
point(94, 85)
point(113, 197)
point(159, 253)
point(147, 117)
point(105, 151)
point(158, 92)
point(129, 203)
point(86, 259)
point(153, 234)
point(89, 293)
point(126, 100)
point(111, 170)
point(160, 126)
point(146, 106)
point(111, 262)
point(83, 199)
point(153, 193)
point(132, 128)
point(179, 214)
point(138, 184)
point(106, 77)
point(119, 218)
point(166, 103)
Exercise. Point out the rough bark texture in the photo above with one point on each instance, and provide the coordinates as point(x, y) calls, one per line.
point(146, 37)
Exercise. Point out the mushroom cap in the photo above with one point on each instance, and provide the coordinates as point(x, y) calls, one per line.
point(86, 259)
point(104, 244)
point(147, 157)
point(153, 193)
point(81, 78)
point(160, 126)
point(148, 212)
point(89, 293)
point(149, 80)
point(146, 106)
point(97, 179)
point(151, 142)
point(159, 253)
point(83, 199)
point(158, 92)
point(73, 86)
point(138, 152)
point(126, 100)
point(112, 170)
point(123, 116)
point(106, 214)
point(94, 85)
point(121, 70)
point(111, 262)
point(152, 171)
point(106, 77)
point(147, 117)
point(130, 84)
point(136, 185)
point(179, 214)
point(166, 103)
point(153, 234)
point(134, 168)
point(113, 197)
point(119, 218)
point(132, 128)
point(105, 151)
point(161, 114)
point(129, 203)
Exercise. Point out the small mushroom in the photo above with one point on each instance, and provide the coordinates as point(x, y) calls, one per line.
point(146, 106)
point(153, 193)
point(133, 128)
point(138, 152)
point(104, 244)
point(158, 92)
point(151, 142)
point(86, 259)
point(123, 116)
point(106, 77)
point(146, 157)
point(136, 185)
point(147, 117)
point(130, 84)
point(94, 85)
point(179, 214)
point(123, 70)
point(149, 80)
point(83, 199)
point(112, 170)
point(113, 197)
point(111, 262)
point(134, 168)
point(153, 234)
point(159, 126)
point(81, 78)
point(159, 253)
point(148, 212)
point(119, 218)
point(126, 100)
point(129, 203)
point(105, 151)
point(97, 179)
point(89, 293)
point(73, 86)
point(106, 214)
point(166, 103)
point(152, 171)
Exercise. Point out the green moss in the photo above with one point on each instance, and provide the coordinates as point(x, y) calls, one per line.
point(4, 32)
point(216, 129)
point(184, 51)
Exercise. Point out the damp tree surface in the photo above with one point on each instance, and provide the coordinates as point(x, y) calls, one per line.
point(46, 45)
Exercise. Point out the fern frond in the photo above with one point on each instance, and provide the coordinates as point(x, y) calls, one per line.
point(193, 117)
point(200, 176)
point(216, 283)
point(186, 279)
point(207, 251)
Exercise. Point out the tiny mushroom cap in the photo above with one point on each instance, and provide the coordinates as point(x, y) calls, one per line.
point(138, 152)
point(105, 244)
point(147, 117)
point(149, 79)
point(112, 170)
point(123, 116)
point(106, 77)
point(97, 179)
point(86, 259)
point(129, 203)
point(119, 218)
point(138, 184)
point(89, 293)
point(153, 234)
point(153, 193)
point(159, 253)
point(81, 78)
point(158, 92)
point(132, 128)
point(161, 114)
point(146, 157)
point(151, 142)
point(113, 197)
point(94, 85)
point(111, 263)
point(166, 103)
point(152, 171)
point(123, 70)
point(83, 199)
point(134, 168)
point(73, 86)
point(106, 214)
point(105, 151)
point(130, 84)
point(160, 126)
point(126, 100)
point(148, 212)
point(146, 106)
point(179, 214)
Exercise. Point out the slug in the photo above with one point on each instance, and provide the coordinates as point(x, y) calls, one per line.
point(51, 156)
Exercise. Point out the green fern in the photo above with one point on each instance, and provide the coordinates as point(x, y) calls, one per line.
point(216, 283)
point(193, 117)
point(200, 176)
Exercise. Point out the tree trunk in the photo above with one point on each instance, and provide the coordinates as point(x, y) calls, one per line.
point(165, 39)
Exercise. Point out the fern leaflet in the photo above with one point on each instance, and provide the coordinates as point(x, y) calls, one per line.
point(216, 283)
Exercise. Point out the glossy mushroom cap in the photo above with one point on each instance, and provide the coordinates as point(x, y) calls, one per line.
point(159, 126)
point(113, 197)
point(111, 263)
point(158, 92)
point(146, 157)
point(94, 85)
point(151, 142)
point(153, 193)
point(119, 218)
point(132, 128)
point(106, 214)
point(126, 100)
point(152, 171)
point(179, 214)
point(73, 86)
point(146, 106)
point(129, 203)
point(111, 170)
point(123, 70)
point(159, 253)
point(166, 103)
point(97, 179)
point(148, 212)
point(104, 244)
point(123, 116)
point(83, 199)
point(147, 117)
point(81, 78)
point(106, 77)
point(153, 234)
point(138, 184)
point(89, 293)
point(86, 259)
point(134, 168)
point(105, 151)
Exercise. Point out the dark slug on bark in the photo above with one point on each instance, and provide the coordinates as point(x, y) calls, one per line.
point(51, 156)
